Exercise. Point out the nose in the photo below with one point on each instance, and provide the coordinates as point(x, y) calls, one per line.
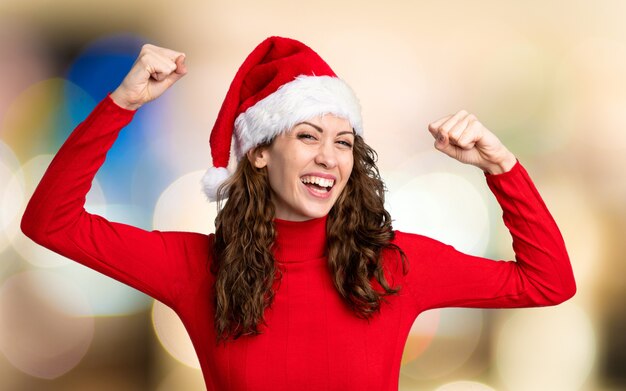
point(325, 156)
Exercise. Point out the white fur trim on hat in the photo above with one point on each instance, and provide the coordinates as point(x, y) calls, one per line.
point(300, 99)
point(212, 179)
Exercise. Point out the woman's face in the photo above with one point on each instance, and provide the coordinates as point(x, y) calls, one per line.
point(308, 166)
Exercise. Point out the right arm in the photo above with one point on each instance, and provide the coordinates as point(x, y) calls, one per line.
point(156, 263)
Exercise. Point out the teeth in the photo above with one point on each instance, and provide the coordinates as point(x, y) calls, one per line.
point(318, 181)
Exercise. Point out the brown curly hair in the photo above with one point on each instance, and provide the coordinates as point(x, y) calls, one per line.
point(358, 230)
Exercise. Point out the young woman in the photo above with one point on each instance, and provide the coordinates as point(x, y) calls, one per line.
point(304, 285)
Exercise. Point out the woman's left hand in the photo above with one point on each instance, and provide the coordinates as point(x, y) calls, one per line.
point(462, 137)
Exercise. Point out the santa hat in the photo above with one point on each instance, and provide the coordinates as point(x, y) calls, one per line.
point(281, 83)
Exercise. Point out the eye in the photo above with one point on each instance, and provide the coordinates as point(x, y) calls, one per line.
point(306, 136)
point(345, 143)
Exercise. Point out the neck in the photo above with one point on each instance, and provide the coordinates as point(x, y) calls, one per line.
point(298, 241)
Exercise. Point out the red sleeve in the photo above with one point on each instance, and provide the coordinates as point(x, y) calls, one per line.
point(160, 264)
point(441, 276)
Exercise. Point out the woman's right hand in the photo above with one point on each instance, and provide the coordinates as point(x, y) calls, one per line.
point(155, 70)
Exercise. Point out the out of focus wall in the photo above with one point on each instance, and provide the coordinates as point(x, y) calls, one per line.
point(547, 77)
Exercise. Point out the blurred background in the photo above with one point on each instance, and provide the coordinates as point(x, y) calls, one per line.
point(547, 77)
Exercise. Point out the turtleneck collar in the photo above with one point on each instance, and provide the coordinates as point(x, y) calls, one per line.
point(298, 241)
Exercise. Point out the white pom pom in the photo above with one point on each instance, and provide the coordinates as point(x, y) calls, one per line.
point(212, 180)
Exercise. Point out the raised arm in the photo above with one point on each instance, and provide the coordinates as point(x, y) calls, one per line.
point(156, 263)
point(441, 276)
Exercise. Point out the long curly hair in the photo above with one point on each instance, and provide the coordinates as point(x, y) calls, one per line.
point(358, 229)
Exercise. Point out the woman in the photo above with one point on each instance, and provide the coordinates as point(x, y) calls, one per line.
point(304, 283)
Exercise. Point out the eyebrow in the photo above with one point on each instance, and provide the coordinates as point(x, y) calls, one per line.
point(322, 130)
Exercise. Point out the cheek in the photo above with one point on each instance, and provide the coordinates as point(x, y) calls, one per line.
point(280, 174)
point(275, 178)
point(347, 168)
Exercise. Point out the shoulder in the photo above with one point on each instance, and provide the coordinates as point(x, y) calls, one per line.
point(411, 247)
point(197, 250)
point(419, 250)
point(412, 243)
point(194, 241)
point(193, 246)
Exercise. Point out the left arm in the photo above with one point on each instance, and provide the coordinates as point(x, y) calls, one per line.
point(441, 276)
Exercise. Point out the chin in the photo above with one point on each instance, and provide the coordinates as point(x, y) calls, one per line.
point(313, 213)
point(303, 208)
point(309, 213)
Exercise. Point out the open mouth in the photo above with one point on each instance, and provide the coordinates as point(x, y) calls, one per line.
point(317, 184)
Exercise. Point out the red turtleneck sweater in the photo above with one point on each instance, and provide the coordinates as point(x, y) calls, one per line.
point(313, 341)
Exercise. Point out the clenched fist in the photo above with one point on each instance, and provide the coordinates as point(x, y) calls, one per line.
point(155, 70)
point(462, 137)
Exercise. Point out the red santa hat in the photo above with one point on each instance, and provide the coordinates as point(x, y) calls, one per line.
point(281, 83)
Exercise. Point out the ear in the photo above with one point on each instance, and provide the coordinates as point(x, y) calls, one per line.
point(258, 157)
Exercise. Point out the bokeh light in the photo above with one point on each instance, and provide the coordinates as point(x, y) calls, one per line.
point(8, 158)
point(106, 296)
point(30, 120)
point(510, 84)
point(184, 207)
point(591, 74)
point(421, 334)
point(24, 57)
point(183, 378)
point(456, 339)
point(11, 194)
point(48, 340)
point(173, 335)
point(546, 349)
point(465, 386)
point(444, 206)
